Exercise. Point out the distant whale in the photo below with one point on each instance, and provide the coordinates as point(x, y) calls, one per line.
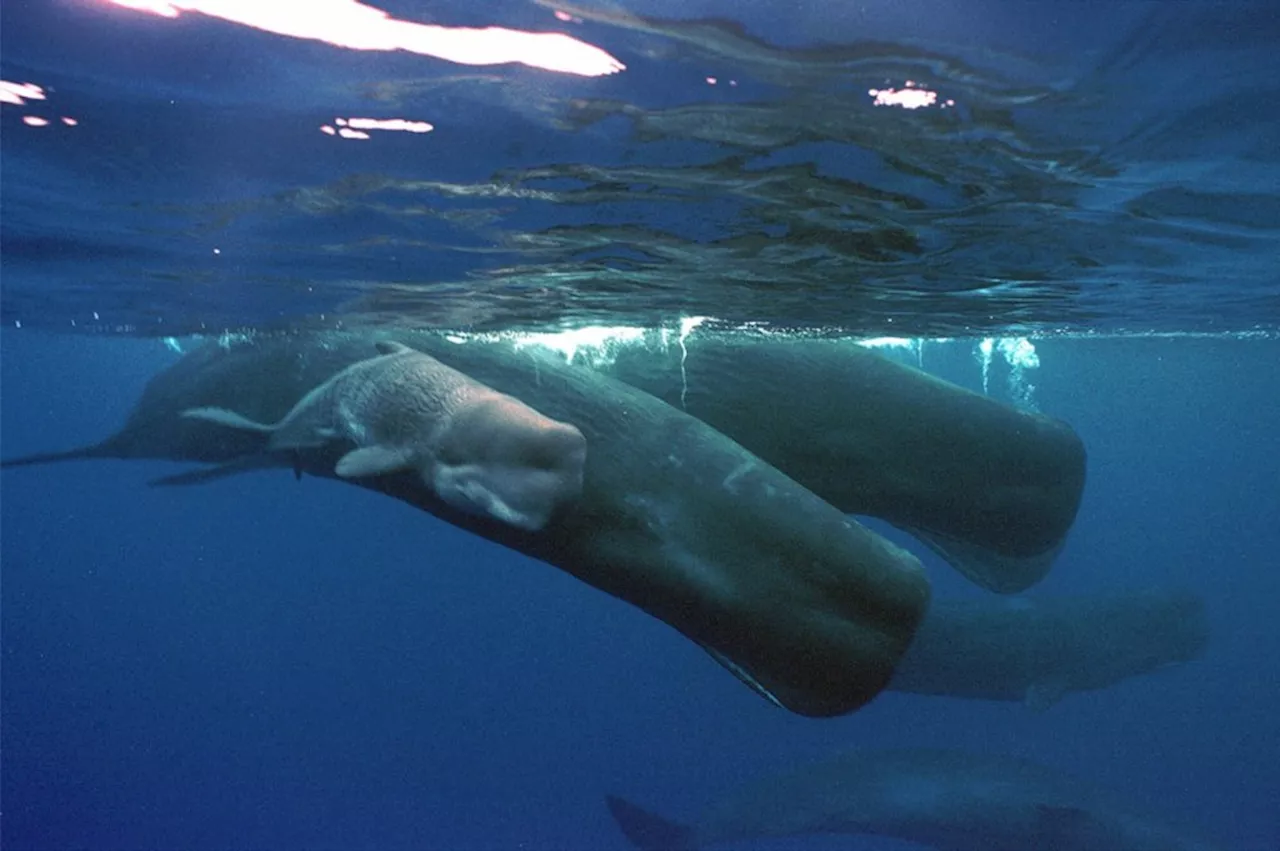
point(803, 604)
point(479, 450)
point(949, 800)
point(1036, 650)
point(993, 489)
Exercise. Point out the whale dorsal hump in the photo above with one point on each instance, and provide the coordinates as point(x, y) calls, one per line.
point(391, 347)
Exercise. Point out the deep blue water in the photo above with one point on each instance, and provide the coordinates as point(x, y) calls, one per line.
point(262, 663)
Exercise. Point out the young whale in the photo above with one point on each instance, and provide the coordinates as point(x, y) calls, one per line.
point(806, 606)
point(949, 800)
point(479, 450)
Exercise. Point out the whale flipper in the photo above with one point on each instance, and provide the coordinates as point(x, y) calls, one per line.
point(228, 418)
point(647, 831)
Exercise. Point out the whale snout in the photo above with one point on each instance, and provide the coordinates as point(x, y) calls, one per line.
point(503, 459)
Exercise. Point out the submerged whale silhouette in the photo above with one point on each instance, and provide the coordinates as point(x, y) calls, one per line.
point(950, 800)
point(1037, 650)
point(803, 604)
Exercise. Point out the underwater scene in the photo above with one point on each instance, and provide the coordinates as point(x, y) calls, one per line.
point(636, 424)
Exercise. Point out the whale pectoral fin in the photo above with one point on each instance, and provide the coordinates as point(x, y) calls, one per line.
point(372, 461)
point(228, 418)
point(391, 347)
point(1040, 696)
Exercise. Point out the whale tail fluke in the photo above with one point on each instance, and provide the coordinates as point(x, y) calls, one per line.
point(648, 831)
point(228, 418)
point(105, 449)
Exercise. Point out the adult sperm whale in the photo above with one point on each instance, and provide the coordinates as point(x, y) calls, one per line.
point(993, 489)
point(950, 800)
point(1036, 650)
point(806, 606)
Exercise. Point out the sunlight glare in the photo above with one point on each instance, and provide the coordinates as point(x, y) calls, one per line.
point(19, 93)
point(354, 25)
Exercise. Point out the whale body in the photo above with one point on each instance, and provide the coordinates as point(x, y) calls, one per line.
point(1037, 650)
point(944, 799)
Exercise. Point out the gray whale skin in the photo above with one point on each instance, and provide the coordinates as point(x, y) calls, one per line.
point(803, 604)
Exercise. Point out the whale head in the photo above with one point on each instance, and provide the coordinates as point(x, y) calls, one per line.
point(500, 458)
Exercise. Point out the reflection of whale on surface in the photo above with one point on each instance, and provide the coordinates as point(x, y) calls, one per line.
point(801, 602)
point(1036, 650)
point(949, 800)
point(993, 489)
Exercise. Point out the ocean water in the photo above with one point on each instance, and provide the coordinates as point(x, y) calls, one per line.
point(263, 663)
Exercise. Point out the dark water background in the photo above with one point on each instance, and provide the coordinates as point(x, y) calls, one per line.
point(266, 664)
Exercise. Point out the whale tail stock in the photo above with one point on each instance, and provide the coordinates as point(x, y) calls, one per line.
point(647, 831)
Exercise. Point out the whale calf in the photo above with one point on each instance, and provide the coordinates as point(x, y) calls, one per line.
point(479, 450)
point(803, 604)
point(950, 800)
point(1036, 650)
point(993, 489)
